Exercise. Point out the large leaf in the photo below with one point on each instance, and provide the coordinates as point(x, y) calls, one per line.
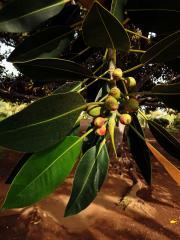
point(51, 69)
point(42, 124)
point(169, 94)
point(47, 43)
point(89, 177)
point(165, 50)
point(139, 149)
point(165, 139)
point(68, 87)
point(170, 168)
point(117, 9)
point(102, 29)
point(155, 16)
point(23, 16)
point(42, 173)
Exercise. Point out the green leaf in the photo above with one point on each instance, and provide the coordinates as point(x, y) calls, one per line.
point(117, 9)
point(52, 69)
point(42, 124)
point(24, 16)
point(165, 139)
point(102, 29)
point(154, 16)
point(169, 94)
point(44, 44)
point(139, 150)
point(42, 173)
point(165, 50)
point(68, 87)
point(89, 177)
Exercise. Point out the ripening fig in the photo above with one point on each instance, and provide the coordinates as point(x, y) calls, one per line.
point(131, 105)
point(125, 119)
point(111, 103)
point(117, 74)
point(115, 92)
point(99, 121)
point(131, 82)
point(101, 131)
point(94, 110)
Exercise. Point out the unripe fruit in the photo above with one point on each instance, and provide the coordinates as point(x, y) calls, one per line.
point(131, 105)
point(99, 121)
point(101, 131)
point(111, 103)
point(125, 119)
point(94, 110)
point(115, 92)
point(131, 82)
point(117, 74)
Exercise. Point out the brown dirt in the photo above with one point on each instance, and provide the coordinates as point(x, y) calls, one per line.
point(153, 214)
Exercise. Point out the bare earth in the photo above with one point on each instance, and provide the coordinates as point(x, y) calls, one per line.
point(153, 215)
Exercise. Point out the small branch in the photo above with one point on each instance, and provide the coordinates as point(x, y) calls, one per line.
point(137, 34)
point(133, 68)
point(136, 51)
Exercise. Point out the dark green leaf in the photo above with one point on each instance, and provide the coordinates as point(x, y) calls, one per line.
point(89, 177)
point(117, 9)
point(165, 50)
point(102, 29)
point(42, 173)
point(23, 16)
point(44, 44)
point(42, 124)
point(169, 94)
point(52, 69)
point(165, 139)
point(139, 150)
point(68, 87)
point(160, 16)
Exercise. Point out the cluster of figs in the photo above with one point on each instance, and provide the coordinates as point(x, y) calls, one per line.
point(116, 106)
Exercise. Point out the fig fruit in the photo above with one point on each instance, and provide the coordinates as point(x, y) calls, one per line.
point(99, 121)
point(115, 92)
point(111, 103)
point(101, 131)
point(94, 110)
point(125, 118)
point(131, 82)
point(117, 74)
point(131, 105)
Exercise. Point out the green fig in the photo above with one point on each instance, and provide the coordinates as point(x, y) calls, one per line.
point(94, 110)
point(131, 82)
point(115, 92)
point(131, 105)
point(111, 103)
point(125, 118)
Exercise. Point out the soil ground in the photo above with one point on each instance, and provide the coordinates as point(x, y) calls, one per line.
point(153, 215)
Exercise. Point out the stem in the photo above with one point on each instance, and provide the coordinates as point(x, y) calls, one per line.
point(87, 133)
point(137, 34)
point(142, 114)
point(80, 53)
point(133, 68)
point(126, 21)
point(125, 88)
point(95, 80)
point(139, 135)
point(137, 50)
point(103, 98)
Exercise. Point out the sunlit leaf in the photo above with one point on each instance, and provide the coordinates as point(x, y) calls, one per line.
point(68, 87)
point(42, 124)
point(42, 173)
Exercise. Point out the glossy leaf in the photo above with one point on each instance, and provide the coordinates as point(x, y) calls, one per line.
point(24, 16)
point(102, 29)
point(117, 9)
point(165, 50)
point(165, 139)
point(42, 124)
point(160, 16)
point(44, 44)
point(139, 149)
point(68, 87)
point(170, 168)
point(52, 69)
point(89, 177)
point(42, 173)
point(169, 94)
